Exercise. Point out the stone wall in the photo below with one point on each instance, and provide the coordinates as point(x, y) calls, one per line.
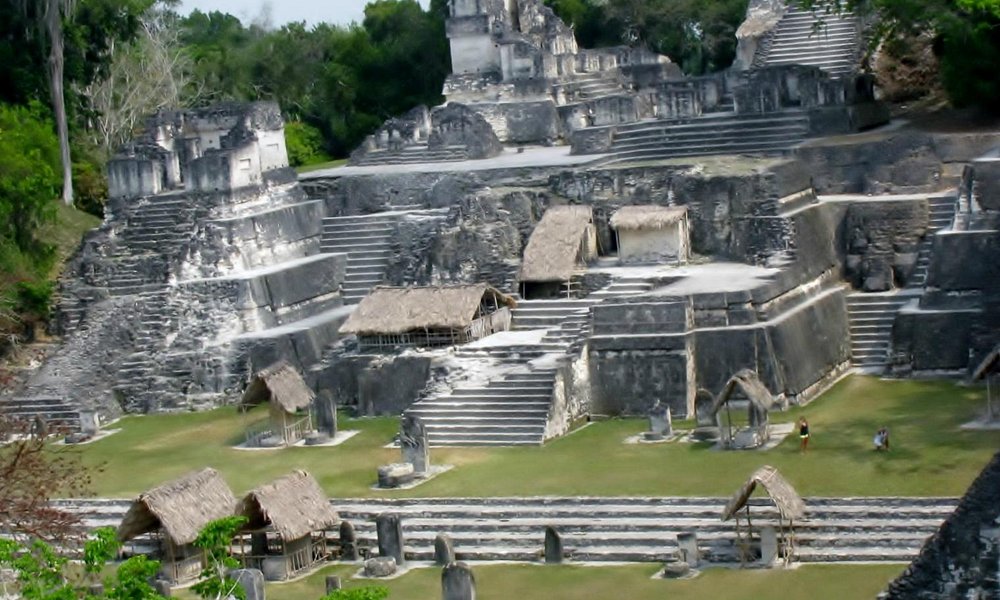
point(900, 161)
point(883, 239)
point(961, 560)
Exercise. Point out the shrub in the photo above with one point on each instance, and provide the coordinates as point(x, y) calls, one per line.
point(304, 143)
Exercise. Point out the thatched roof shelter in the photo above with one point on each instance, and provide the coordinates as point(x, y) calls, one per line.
point(988, 366)
point(647, 217)
point(786, 499)
point(747, 382)
point(554, 248)
point(280, 384)
point(294, 505)
point(391, 310)
point(181, 508)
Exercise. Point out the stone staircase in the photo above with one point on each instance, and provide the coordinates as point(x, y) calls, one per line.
point(832, 46)
point(514, 408)
point(642, 529)
point(57, 414)
point(510, 411)
point(367, 240)
point(411, 155)
point(942, 210)
point(870, 316)
point(710, 134)
point(590, 86)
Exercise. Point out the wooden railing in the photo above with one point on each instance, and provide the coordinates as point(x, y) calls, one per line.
point(298, 430)
point(184, 569)
point(295, 562)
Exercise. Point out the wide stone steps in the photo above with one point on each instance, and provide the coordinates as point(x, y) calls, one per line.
point(827, 41)
point(880, 529)
point(512, 410)
point(412, 155)
point(645, 531)
point(713, 134)
point(941, 215)
point(55, 412)
point(871, 317)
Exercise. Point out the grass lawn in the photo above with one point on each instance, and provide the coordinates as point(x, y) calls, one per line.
point(565, 582)
point(930, 455)
point(318, 166)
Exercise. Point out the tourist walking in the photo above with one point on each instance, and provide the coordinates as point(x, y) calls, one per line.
point(803, 434)
point(881, 440)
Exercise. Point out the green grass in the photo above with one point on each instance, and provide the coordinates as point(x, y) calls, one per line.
point(930, 454)
point(319, 166)
point(635, 582)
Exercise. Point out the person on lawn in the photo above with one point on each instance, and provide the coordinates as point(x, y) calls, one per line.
point(803, 434)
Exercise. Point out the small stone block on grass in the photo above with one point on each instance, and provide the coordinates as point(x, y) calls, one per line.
point(382, 566)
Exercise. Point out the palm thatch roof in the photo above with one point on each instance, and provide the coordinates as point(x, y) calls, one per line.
point(392, 310)
point(554, 246)
point(294, 505)
point(647, 217)
point(786, 499)
point(988, 366)
point(751, 386)
point(281, 384)
point(181, 508)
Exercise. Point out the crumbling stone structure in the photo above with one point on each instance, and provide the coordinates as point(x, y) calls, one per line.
point(961, 560)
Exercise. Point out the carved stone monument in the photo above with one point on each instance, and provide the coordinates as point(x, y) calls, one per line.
point(444, 550)
point(553, 546)
point(389, 528)
point(348, 541)
point(660, 424)
point(458, 582)
point(688, 542)
point(252, 582)
point(413, 443)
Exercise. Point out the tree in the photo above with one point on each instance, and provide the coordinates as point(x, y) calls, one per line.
point(32, 473)
point(42, 573)
point(150, 73)
point(49, 15)
point(214, 539)
point(967, 39)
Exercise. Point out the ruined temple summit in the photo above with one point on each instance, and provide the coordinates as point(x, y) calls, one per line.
point(575, 232)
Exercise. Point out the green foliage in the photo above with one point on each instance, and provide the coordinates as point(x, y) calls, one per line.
point(374, 592)
point(90, 186)
point(214, 539)
point(967, 40)
point(29, 163)
point(304, 143)
point(33, 299)
point(344, 81)
point(699, 36)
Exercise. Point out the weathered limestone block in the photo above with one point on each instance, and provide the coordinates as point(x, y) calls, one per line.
point(762, 17)
point(252, 582)
point(674, 570)
point(660, 425)
point(382, 566)
point(882, 242)
point(414, 445)
point(553, 546)
point(456, 124)
point(985, 178)
point(395, 475)
point(688, 542)
point(389, 528)
point(333, 583)
point(444, 550)
point(390, 384)
point(348, 541)
point(458, 582)
point(768, 545)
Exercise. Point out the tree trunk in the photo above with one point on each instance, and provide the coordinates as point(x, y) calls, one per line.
point(56, 60)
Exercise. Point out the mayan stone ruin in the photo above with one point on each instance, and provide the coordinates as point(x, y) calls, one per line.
point(574, 235)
